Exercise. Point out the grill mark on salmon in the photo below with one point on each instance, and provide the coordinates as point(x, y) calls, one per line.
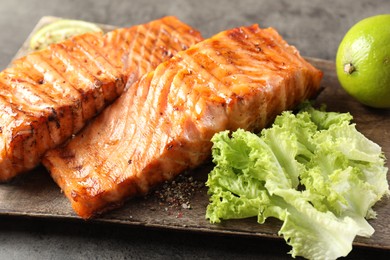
point(114, 76)
point(36, 111)
point(102, 84)
point(62, 115)
point(240, 78)
point(80, 77)
point(48, 96)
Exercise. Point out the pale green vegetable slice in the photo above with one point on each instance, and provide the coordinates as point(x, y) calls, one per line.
point(60, 30)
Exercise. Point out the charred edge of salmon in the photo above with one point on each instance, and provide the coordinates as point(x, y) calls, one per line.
point(189, 148)
point(89, 53)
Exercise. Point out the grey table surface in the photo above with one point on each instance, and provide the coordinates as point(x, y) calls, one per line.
point(314, 27)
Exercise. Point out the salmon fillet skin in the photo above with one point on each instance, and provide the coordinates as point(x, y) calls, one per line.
point(240, 78)
point(48, 96)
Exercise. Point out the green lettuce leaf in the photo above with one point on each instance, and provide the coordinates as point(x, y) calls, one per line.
point(312, 170)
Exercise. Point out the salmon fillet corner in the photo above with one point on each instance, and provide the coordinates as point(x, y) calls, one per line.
point(240, 78)
point(48, 96)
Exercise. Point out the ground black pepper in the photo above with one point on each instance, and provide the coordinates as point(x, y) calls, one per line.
point(177, 194)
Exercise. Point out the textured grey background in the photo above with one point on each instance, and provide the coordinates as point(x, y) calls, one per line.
point(314, 27)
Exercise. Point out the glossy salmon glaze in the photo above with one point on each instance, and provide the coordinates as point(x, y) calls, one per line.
point(48, 96)
point(241, 78)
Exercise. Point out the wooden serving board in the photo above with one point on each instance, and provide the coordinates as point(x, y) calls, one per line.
point(36, 195)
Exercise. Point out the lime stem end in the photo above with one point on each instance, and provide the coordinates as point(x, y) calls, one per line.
point(349, 68)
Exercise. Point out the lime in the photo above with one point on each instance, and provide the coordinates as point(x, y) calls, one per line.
point(363, 61)
point(60, 30)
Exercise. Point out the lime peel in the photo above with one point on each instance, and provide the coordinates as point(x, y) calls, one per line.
point(362, 61)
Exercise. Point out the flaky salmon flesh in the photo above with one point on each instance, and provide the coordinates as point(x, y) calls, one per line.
point(240, 78)
point(48, 96)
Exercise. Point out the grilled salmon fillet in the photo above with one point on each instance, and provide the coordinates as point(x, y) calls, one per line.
point(48, 96)
point(240, 78)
